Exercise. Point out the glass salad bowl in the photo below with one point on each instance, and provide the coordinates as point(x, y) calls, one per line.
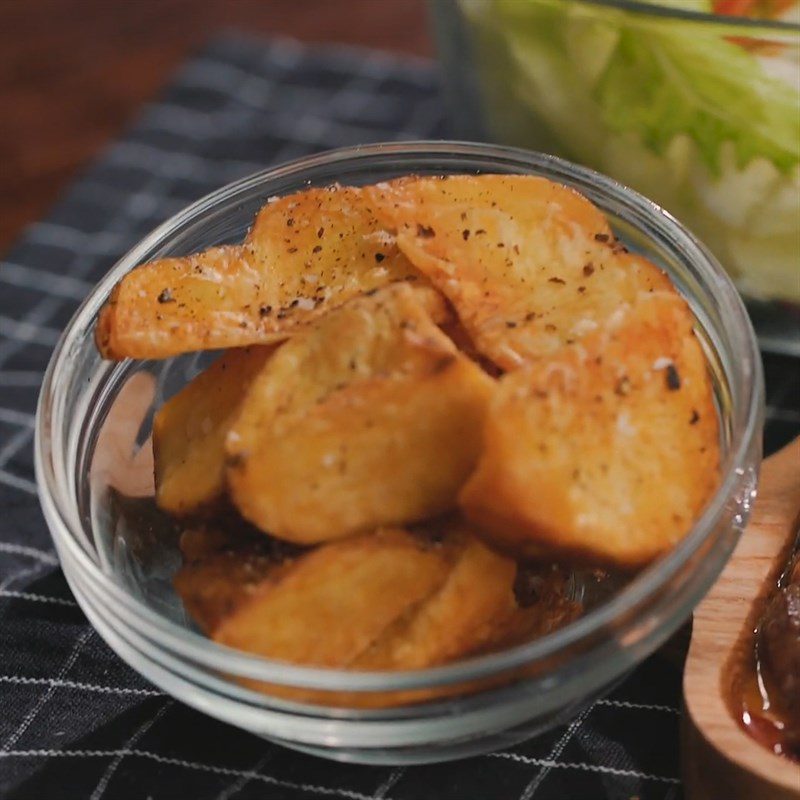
point(94, 468)
point(698, 111)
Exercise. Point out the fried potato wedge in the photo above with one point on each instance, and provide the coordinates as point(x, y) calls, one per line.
point(221, 571)
point(544, 604)
point(528, 264)
point(458, 619)
point(306, 253)
point(333, 602)
point(189, 431)
point(607, 451)
point(370, 417)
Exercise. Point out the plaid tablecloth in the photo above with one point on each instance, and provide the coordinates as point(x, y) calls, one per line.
point(78, 723)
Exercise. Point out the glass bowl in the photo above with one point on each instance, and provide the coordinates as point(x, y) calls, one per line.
point(698, 112)
point(95, 477)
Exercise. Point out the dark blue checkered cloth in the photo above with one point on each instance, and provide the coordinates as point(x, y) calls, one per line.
point(76, 721)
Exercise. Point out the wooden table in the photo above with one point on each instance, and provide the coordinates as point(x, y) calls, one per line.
point(74, 72)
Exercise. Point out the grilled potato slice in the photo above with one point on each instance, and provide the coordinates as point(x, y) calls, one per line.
point(544, 604)
point(334, 601)
point(459, 618)
point(306, 253)
point(487, 602)
point(189, 431)
point(371, 417)
point(606, 452)
point(222, 569)
point(528, 264)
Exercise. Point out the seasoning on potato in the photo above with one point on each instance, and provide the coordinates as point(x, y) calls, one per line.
point(605, 453)
point(528, 264)
point(306, 253)
point(369, 417)
point(439, 398)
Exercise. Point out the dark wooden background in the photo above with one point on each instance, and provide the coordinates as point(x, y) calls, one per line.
point(74, 72)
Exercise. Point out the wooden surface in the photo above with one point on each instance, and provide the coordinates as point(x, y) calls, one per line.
point(74, 72)
point(719, 759)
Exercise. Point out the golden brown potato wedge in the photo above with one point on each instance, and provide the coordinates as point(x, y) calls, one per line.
point(389, 600)
point(306, 253)
point(544, 604)
point(607, 451)
point(334, 601)
point(222, 570)
point(189, 431)
point(370, 417)
point(458, 619)
point(528, 264)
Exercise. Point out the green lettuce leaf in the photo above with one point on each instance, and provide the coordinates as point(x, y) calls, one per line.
point(657, 77)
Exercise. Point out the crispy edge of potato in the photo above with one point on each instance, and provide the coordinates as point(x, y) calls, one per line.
point(189, 431)
point(352, 590)
point(525, 503)
point(458, 619)
point(540, 610)
point(221, 569)
point(323, 244)
point(268, 424)
point(148, 316)
point(547, 611)
point(514, 316)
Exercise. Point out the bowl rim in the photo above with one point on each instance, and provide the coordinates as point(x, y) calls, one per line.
point(688, 15)
point(61, 510)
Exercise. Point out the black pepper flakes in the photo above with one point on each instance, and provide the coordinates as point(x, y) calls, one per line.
point(601, 237)
point(588, 269)
point(465, 234)
point(317, 248)
point(673, 378)
point(559, 281)
point(695, 418)
point(442, 364)
point(623, 386)
point(289, 222)
point(425, 232)
point(166, 296)
point(527, 586)
point(511, 324)
point(379, 257)
point(320, 232)
point(480, 232)
point(264, 311)
point(236, 461)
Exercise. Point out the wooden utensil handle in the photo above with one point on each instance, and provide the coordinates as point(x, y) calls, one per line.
point(719, 759)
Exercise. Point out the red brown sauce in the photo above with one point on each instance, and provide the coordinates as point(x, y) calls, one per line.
point(770, 687)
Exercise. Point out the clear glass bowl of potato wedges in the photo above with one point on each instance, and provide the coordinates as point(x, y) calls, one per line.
point(403, 452)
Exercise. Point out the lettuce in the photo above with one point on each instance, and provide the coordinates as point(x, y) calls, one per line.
point(654, 77)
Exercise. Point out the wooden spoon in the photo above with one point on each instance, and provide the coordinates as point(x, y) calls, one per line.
point(719, 758)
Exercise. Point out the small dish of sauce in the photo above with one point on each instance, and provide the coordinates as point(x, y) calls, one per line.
point(770, 690)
